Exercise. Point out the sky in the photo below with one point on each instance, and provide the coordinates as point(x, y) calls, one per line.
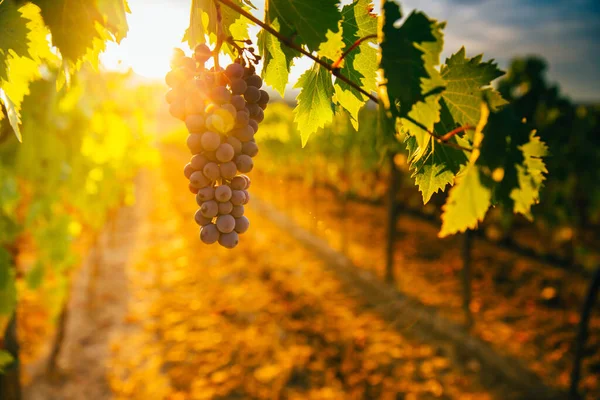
point(564, 32)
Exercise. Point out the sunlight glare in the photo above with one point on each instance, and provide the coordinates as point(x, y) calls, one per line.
point(155, 28)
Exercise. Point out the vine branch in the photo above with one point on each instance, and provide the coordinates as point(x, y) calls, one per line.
point(333, 70)
point(337, 62)
point(450, 144)
point(453, 132)
point(291, 44)
point(442, 139)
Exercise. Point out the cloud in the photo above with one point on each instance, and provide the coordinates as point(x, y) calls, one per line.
point(564, 32)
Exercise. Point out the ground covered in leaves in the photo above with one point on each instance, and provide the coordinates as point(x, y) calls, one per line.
point(265, 321)
point(522, 307)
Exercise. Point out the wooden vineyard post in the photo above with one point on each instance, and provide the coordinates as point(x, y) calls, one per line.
point(582, 333)
point(392, 218)
point(10, 380)
point(466, 277)
point(52, 367)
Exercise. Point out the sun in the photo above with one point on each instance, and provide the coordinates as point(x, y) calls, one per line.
point(155, 28)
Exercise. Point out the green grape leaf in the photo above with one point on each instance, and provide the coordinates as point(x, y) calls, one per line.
point(427, 110)
point(333, 47)
point(350, 100)
point(24, 69)
point(195, 33)
point(114, 13)
point(466, 79)
point(289, 17)
point(203, 22)
point(20, 65)
point(360, 65)
point(434, 171)
point(14, 117)
point(314, 108)
point(500, 151)
point(525, 195)
point(234, 25)
point(494, 99)
point(276, 65)
point(467, 203)
point(404, 63)
point(471, 196)
point(64, 18)
point(409, 55)
point(533, 151)
point(13, 40)
point(305, 21)
point(530, 176)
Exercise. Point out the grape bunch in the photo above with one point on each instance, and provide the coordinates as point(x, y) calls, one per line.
point(222, 109)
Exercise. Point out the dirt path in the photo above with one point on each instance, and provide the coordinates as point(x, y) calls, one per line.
point(169, 318)
point(95, 313)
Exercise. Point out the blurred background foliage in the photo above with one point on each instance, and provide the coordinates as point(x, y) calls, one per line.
point(82, 149)
point(353, 163)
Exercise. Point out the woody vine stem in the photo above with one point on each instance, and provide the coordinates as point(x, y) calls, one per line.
point(334, 70)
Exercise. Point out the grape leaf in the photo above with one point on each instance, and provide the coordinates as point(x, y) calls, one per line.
point(467, 203)
point(409, 55)
point(289, 17)
point(404, 63)
point(195, 33)
point(525, 195)
point(351, 100)
point(203, 21)
point(14, 117)
point(494, 98)
point(533, 151)
point(360, 65)
point(333, 47)
point(64, 18)
point(434, 171)
point(305, 21)
point(530, 176)
point(427, 110)
point(115, 19)
point(234, 25)
point(470, 198)
point(500, 151)
point(276, 65)
point(466, 79)
point(25, 69)
point(14, 35)
point(314, 108)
